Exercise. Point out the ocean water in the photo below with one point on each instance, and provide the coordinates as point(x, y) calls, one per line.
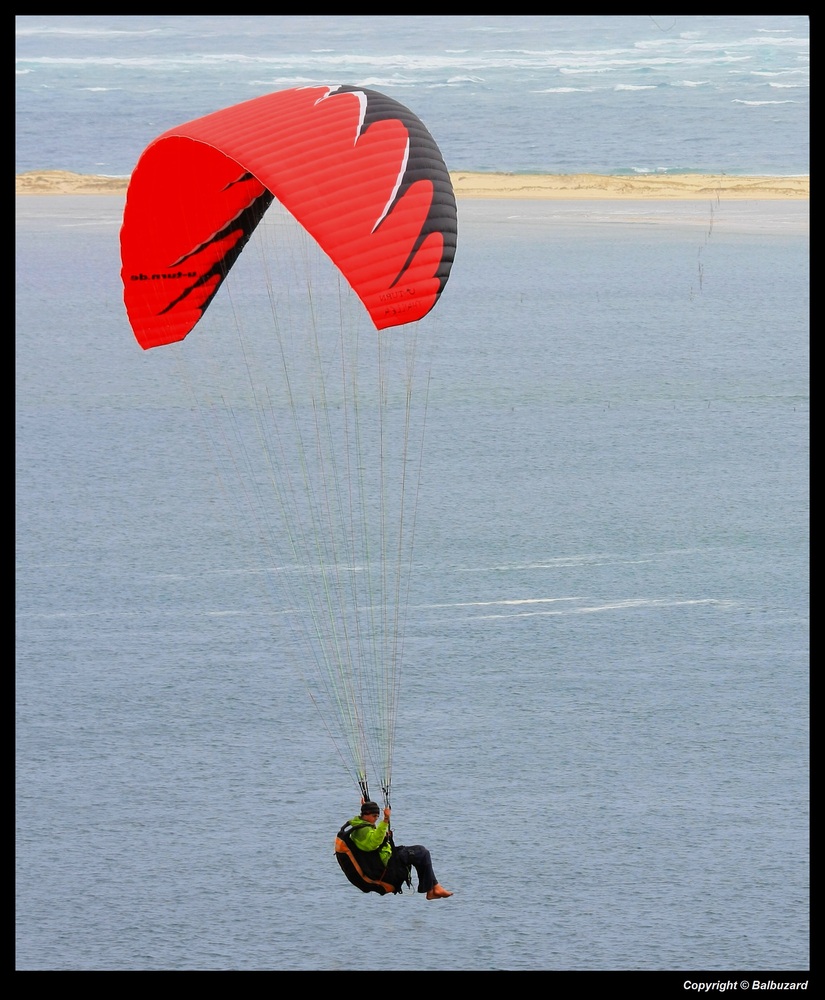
point(553, 94)
point(603, 734)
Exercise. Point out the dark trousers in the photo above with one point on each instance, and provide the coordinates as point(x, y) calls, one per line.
point(419, 858)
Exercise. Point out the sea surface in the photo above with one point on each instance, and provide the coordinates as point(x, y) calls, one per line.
point(603, 730)
point(548, 94)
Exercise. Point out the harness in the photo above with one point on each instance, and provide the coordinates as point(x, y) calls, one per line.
point(365, 869)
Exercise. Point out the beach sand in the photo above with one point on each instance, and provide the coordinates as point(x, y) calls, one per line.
point(526, 186)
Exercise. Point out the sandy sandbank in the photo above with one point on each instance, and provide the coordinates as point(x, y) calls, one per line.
point(480, 185)
point(641, 186)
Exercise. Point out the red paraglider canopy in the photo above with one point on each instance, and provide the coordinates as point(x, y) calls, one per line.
point(358, 170)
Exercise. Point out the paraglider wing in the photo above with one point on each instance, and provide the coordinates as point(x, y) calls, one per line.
point(313, 416)
point(358, 170)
